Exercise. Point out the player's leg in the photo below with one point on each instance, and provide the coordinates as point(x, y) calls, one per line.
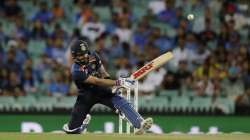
point(79, 115)
point(126, 108)
point(131, 114)
point(106, 100)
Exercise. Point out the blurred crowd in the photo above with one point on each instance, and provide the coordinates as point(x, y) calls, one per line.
point(211, 52)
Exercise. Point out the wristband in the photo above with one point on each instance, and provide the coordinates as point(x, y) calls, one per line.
point(117, 82)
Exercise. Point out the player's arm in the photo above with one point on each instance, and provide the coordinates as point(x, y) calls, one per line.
point(101, 82)
point(104, 73)
point(121, 82)
point(82, 75)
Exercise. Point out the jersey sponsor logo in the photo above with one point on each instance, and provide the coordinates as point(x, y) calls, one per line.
point(142, 70)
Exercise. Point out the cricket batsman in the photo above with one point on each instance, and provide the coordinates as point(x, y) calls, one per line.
point(94, 86)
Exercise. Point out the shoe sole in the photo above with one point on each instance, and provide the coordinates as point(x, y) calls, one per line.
point(146, 124)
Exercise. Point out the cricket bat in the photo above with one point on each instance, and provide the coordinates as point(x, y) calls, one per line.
point(152, 65)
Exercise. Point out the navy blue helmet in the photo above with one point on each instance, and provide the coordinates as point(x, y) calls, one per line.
point(80, 51)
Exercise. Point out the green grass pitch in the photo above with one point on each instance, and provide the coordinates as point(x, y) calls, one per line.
point(50, 136)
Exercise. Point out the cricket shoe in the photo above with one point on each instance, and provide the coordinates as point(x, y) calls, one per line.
point(78, 130)
point(145, 125)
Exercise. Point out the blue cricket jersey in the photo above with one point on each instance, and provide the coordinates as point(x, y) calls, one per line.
point(81, 72)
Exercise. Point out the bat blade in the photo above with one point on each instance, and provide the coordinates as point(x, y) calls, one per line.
point(152, 65)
